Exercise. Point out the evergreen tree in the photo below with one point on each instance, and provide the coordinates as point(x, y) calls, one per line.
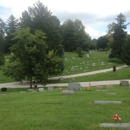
point(119, 36)
point(125, 55)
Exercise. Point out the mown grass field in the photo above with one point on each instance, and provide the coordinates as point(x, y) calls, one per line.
point(82, 65)
point(50, 110)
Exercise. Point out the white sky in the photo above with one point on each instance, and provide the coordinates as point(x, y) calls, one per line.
point(94, 14)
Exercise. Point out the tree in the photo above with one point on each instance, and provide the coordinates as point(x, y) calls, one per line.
point(11, 25)
point(74, 35)
point(2, 33)
point(40, 17)
point(119, 36)
point(80, 52)
point(31, 58)
point(2, 59)
point(125, 55)
point(102, 43)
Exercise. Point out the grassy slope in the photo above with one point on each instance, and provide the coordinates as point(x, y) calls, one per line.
point(50, 110)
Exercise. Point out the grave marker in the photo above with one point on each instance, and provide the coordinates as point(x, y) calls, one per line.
point(116, 125)
point(41, 89)
point(50, 88)
point(109, 87)
point(74, 86)
point(107, 102)
point(68, 92)
point(124, 83)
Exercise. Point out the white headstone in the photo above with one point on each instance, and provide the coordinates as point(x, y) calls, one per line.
point(72, 68)
point(41, 89)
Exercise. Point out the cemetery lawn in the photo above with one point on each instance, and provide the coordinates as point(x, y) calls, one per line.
point(50, 110)
point(117, 75)
point(81, 65)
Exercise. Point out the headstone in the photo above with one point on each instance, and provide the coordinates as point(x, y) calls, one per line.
point(102, 63)
point(109, 87)
point(50, 88)
point(41, 89)
point(116, 125)
point(93, 64)
point(61, 78)
point(22, 91)
point(87, 55)
point(32, 90)
point(74, 86)
point(107, 102)
point(111, 93)
point(98, 87)
point(124, 83)
point(68, 92)
point(72, 68)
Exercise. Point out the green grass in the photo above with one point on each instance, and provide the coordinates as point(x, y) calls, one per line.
point(50, 110)
point(81, 65)
point(118, 75)
point(84, 64)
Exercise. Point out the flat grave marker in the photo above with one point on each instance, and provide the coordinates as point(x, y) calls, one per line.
point(107, 102)
point(68, 92)
point(116, 125)
point(109, 86)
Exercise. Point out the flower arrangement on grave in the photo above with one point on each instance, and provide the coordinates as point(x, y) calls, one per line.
point(116, 117)
point(60, 89)
point(88, 88)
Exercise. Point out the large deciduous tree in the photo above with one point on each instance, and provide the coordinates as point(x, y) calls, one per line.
point(119, 36)
point(31, 58)
point(74, 35)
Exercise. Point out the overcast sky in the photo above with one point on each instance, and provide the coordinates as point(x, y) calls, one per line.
point(94, 14)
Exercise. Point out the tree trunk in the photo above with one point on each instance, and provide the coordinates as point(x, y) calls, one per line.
point(31, 82)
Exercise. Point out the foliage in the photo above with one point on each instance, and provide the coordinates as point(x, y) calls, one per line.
point(11, 25)
point(3, 89)
point(74, 36)
point(2, 33)
point(31, 58)
point(102, 43)
point(2, 59)
point(60, 51)
point(80, 52)
point(39, 17)
point(125, 55)
point(119, 36)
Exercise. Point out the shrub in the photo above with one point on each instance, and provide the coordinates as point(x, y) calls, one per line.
point(3, 89)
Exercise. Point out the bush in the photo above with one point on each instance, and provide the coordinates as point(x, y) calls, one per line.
point(3, 89)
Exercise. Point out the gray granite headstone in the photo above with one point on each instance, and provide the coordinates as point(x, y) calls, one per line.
point(50, 88)
point(124, 83)
point(68, 92)
point(107, 102)
point(74, 86)
point(116, 125)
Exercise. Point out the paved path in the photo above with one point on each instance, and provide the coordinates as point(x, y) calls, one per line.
point(83, 84)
